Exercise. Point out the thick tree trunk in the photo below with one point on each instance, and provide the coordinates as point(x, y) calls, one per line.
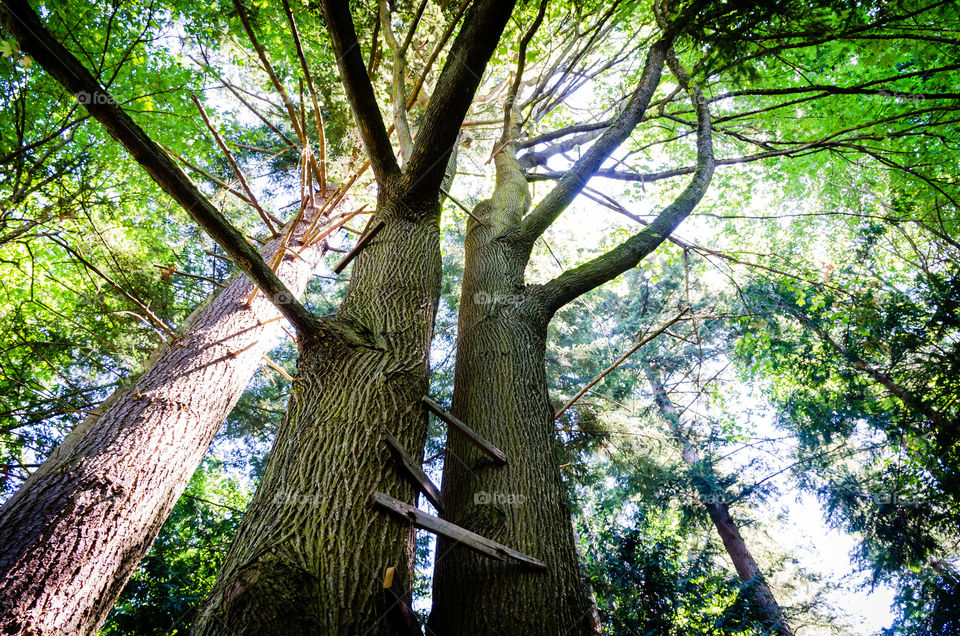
point(743, 561)
point(500, 391)
point(73, 534)
point(311, 553)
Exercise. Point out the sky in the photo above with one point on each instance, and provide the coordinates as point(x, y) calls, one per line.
point(803, 530)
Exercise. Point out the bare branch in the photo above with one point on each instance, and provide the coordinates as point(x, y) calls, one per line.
point(20, 19)
point(359, 91)
point(133, 299)
point(320, 170)
point(441, 43)
point(547, 211)
point(236, 168)
point(563, 132)
point(399, 100)
point(511, 100)
point(618, 362)
point(575, 282)
point(291, 111)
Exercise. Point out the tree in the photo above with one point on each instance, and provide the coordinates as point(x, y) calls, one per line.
point(96, 478)
point(678, 359)
point(304, 568)
point(868, 387)
point(719, 511)
point(501, 388)
point(315, 568)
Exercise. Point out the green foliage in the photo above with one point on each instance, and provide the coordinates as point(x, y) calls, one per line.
point(857, 241)
point(175, 577)
point(862, 366)
point(651, 576)
point(927, 604)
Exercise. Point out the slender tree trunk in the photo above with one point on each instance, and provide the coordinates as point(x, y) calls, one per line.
point(73, 534)
point(311, 553)
point(500, 391)
point(733, 542)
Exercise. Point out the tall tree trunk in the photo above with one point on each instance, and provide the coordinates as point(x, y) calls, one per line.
point(73, 534)
point(743, 561)
point(500, 390)
point(311, 553)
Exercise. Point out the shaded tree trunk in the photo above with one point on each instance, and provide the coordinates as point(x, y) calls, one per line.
point(73, 534)
point(500, 390)
point(743, 561)
point(311, 553)
point(363, 371)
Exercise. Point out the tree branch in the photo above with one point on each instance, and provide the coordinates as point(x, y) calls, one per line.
point(575, 282)
point(947, 427)
point(399, 99)
point(413, 28)
point(321, 170)
point(20, 19)
point(509, 103)
point(535, 158)
point(146, 311)
point(563, 132)
point(646, 339)
point(547, 211)
point(288, 104)
point(356, 83)
point(441, 43)
point(456, 87)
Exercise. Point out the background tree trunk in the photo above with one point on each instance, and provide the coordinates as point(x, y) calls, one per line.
point(311, 553)
point(500, 390)
point(73, 534)
point(743, 561)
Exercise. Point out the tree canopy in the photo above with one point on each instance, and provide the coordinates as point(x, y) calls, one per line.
point(737, 223)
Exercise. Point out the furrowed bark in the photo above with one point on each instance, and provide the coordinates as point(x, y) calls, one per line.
point(73, 534)
point(65, 68)
point(500, 390)
point(311, 552)
point(747, 568)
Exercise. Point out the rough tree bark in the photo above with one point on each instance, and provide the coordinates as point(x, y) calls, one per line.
point(73, 534)
point(746, 566)
point(500, 389)
point(311, 551)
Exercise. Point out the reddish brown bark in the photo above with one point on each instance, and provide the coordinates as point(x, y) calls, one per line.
point(73, 534)
point(743, 561)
